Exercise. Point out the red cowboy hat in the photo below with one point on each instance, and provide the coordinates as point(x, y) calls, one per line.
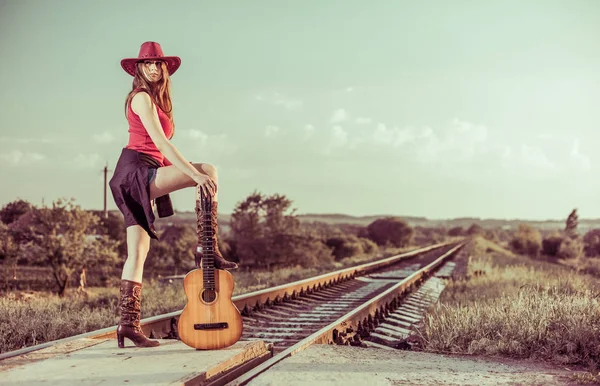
point(151, 51)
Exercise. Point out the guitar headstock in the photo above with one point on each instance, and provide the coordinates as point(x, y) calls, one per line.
point(203, 199)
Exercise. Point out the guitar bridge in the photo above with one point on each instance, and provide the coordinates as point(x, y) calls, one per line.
point(211, 326)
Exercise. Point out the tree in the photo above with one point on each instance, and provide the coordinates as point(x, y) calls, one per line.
point(99, 253)
point(112, 226)
point(247, 230)
point(9, 249)
point(175, 248)
point(61, 237)
point(266, 233)
point(13, 210)
point(390, 230)
point(571, 223)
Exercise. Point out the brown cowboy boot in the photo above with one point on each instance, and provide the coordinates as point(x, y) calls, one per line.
point(129, 325)
point(220, 262)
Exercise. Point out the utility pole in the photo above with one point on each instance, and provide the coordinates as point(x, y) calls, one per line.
point(105, 184)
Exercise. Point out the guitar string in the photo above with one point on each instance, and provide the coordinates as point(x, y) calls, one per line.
point(207, 248)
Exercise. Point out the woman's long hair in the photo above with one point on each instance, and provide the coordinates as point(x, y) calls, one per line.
point(160, 91)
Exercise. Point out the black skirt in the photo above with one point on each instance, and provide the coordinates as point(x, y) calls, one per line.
point(130, 187)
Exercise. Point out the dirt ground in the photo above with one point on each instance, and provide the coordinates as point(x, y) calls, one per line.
point(345, 366)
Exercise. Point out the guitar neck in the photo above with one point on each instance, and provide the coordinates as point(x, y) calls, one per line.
point(206, 242)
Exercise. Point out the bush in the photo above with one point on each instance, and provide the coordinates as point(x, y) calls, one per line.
point(304, 250)
point(456, 231)
point(491, 235)
point(390, 230)
point(368, 245)
point(527, 241)
point(427, 236)
point(344, 246)
point(551, 244)
point(571, 248)
point(475, 229)
point(591, 243)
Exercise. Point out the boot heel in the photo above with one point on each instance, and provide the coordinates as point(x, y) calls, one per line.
point(121, 340)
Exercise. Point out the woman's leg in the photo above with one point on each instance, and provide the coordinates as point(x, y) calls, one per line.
point(169, 179)
point(138, 244)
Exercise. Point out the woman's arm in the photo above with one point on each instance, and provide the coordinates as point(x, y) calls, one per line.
point(142, 105)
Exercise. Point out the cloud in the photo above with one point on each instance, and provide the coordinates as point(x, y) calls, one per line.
point(86, 161)
point(579, 160)
point(277, 99)
point(534, 156)
point(205, 145)
point(572, 159)
point(394, 137)
point(460, 141)
point(329, 141)
point(338, 116)
point(339, 135)
point(271, 131)
point(547, 157)
point(197, 135)
point(221, 144)
point(308, 131)
point(506, 152)
point(239, 172)
point(17, 157)
point(337, 139)
point(28, 140)
point(459, 147)
point(362, 120)
point(472, 151)
point(105, 137)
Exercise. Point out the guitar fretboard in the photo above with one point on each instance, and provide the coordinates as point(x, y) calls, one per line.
point(207, 241)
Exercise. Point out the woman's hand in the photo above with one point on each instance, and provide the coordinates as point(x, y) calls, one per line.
point(207, 184)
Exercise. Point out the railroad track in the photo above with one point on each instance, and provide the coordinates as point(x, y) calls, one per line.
point(365, 315)
point(372, 304)
point(286, 322)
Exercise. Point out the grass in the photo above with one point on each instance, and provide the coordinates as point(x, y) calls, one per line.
point(29, 318)
point(517, 307)
point(44, 317)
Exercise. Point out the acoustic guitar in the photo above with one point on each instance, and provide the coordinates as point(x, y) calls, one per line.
point(209, 319)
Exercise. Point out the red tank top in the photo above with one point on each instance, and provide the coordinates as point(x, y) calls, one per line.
point(139, 140)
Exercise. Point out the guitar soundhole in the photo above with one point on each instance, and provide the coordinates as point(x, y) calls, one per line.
point(208, 296)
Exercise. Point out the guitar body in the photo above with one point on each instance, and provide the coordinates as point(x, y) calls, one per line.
point(209, 319)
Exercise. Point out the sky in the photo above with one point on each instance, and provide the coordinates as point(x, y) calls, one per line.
point(411, 108)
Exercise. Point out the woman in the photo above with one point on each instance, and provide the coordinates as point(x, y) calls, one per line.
point(149, 168)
